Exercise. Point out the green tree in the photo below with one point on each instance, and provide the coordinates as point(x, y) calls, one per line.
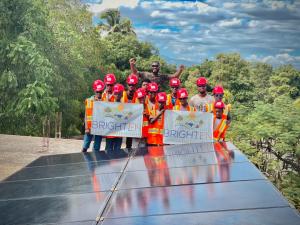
point(113, 23)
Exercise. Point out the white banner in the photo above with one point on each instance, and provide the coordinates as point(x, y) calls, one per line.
point(183, 127)
point(117, 119)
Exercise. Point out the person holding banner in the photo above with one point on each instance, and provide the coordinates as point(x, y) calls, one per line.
point(109, 80)
point(130, 97)
point(220, 122)
point(98, 87)
point(113, 144)
point(218, 93)
point(202, 98)
point(141, 98)
point(156, 119)
point(172, 99)
point(152, 92)
point(183, 98)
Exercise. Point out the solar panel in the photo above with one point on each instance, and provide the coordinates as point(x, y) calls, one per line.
point(269, 216)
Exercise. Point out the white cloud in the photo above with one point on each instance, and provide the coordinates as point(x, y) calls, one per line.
point(278, 59)
point(254, 23)
point(199, 8)
point(111, 4)
point(161, 14)
point(230, 5)
point(230, 23)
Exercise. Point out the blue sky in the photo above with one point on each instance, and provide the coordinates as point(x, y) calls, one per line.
point(188, 32)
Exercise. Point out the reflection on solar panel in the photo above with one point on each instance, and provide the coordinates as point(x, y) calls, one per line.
point(175, 184)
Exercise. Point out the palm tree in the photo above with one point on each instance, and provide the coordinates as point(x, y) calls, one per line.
point(114, 23)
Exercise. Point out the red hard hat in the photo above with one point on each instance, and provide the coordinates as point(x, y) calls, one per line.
point(118, 88)
point(219, 105)
point(152, 87)
point(98, 85)
point(110, 78)
point(201, 81)
point(174, 82)
point(182, 93)
point(162, 97)
point(132, 79)
point(141, 93)
point(218, 90)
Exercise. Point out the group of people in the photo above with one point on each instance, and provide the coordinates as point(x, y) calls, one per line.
point(155, 103)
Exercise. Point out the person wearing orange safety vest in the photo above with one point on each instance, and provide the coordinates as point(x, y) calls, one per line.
point(109, 80)
point(172, 99)
point(151, 100)
point(98, 87)
point(218, 93)
point(141, 98)
point(113, 144)
point(156, 119)
point(130, 97)
point(220, 124)
point(202, 98)
point(184, 105)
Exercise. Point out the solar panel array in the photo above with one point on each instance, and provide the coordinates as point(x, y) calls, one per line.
point(211, 183)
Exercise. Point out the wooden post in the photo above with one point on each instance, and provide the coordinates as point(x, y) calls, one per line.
point(58, 121)
point(46, 132)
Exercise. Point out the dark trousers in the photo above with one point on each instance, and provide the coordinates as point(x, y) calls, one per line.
point(113, 144)
point(129, 142)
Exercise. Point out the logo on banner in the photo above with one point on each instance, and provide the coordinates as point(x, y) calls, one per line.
point(117, 113)
point(188, 122)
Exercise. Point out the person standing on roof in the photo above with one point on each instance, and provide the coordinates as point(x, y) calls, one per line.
point(172, 99)
point(155, 75)
point(141, 99)
point(183, 98)
point(98, 87)
point(113, 144)
point(109, 80)
point(156, 119)
point(220, 122)
point(130, 97)
point(202, 98)
point(218, 93)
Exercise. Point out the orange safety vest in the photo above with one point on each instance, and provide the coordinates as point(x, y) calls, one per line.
point(155, 130)
point(105, 97)
point(210, 107)
point(220, 131)
point(89, 105)
point(145, 119)
point(125, 97)
point(145, 123)
point(189, 108)
point(169, 101)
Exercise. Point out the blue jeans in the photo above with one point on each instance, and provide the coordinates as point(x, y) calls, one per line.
point(113, 144)
point(88, 139)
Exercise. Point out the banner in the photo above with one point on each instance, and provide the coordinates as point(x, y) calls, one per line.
point(183, 127)
point(117, 119)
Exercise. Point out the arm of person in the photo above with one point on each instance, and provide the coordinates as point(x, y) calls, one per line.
point(152, 119)
point(133, 69)
point(228, 118)
point(191, 102)
point(177, 73)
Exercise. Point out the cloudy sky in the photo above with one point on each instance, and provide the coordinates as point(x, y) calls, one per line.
point(188, 32)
